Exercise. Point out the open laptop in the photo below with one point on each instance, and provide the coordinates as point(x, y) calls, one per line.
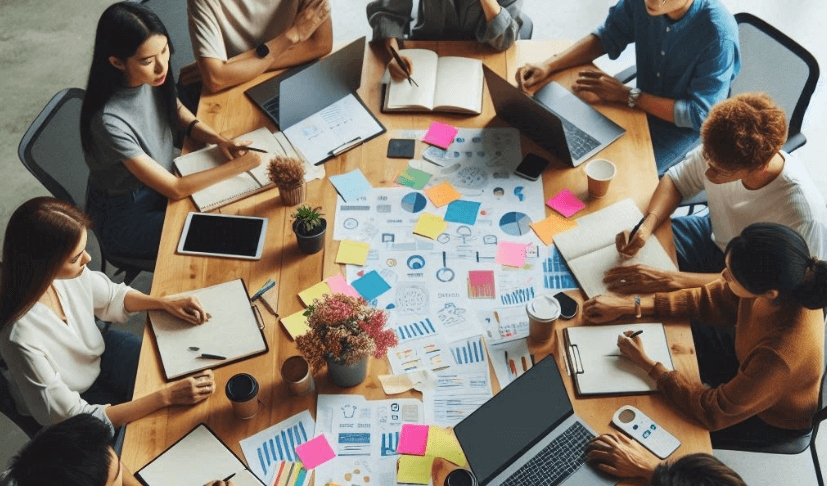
point(557, 120)
point(302, 91)
point(529, 435)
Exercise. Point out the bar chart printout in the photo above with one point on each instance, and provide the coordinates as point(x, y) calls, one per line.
point(266, 449)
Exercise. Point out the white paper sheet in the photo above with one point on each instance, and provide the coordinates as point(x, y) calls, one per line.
point(267, 448)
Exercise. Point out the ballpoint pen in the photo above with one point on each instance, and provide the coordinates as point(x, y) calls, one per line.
point(402, 65)
point(255, 149)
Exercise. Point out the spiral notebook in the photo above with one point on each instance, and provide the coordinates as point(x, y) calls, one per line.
point(246, 183)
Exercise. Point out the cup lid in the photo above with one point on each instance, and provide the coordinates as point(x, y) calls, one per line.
point(241, 388)
point(544, 308)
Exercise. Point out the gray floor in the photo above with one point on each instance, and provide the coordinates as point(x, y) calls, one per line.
point(44, 48)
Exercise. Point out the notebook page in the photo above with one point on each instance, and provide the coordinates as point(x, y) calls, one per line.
point(598, 230)
point(459, 83)
point(402, 94)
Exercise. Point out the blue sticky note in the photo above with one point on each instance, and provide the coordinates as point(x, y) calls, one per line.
point(371, 286)
point(464, 212)
point(351, 186)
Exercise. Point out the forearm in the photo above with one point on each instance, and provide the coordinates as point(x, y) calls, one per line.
point(317, 45)
point(686, 280)
point(490, 9)
point(125, 413)
point(663, 108)
point(218, 74)
point(583, 51)
point(663, 203)
point(136, 301)
point(201, 131)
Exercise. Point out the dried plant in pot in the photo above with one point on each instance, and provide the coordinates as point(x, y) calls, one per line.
point(287, 173)
point(309, 227)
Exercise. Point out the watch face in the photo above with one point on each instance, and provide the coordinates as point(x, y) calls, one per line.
point(262, 50)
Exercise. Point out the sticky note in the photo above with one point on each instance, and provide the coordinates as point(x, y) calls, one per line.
point(315, 292)
point(566, 203)
point(511, 254)
point(371, 286)
point(442, 194)
point(353, 252)
point(550, 226)
point(315, 451)
point(430, 225)
point(413, 439)
point(464, 212)
point(338, 285)
point(351, 186)
point(414, 469)
point(295, 324)
point(442, 443)
point(440, 134)
point(481, 284)
point(414, 178)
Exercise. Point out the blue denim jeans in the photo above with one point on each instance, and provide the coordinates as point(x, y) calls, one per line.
point(129, 225)
point(119, 366)
point(694, 246)
point(670, 142)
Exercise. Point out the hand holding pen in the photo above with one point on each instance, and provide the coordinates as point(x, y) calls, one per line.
point(401, 67)
point(631, 348)
point(629, 243)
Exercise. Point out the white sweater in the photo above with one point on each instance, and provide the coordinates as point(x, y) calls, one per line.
point(52, 362)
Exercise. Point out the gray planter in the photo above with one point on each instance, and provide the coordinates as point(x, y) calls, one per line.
point(313, 242)
point(347, 376)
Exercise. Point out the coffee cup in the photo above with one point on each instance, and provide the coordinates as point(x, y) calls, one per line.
point(542, 312)
point(461, 477)
point(600, 173)
point(295, 371)
point(242, 390)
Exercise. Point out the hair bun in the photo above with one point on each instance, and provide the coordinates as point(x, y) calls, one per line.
point(813, 291)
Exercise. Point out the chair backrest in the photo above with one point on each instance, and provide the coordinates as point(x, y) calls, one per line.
point(51, 149)
point(777, 65)
point(173, 14)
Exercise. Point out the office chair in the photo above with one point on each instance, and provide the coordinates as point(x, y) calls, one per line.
point(51, 151)
point(8, 408)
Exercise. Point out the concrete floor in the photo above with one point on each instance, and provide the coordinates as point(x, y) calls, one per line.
point(46, 46)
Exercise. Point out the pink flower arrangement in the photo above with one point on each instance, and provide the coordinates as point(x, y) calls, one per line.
point(344, 329)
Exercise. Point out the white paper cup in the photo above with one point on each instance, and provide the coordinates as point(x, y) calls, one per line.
point(542, 312)
point(600, 173)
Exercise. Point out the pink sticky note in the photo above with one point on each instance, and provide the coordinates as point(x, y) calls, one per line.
point(440, 134)
point(413, 439)
point(565, 203)
point(511, 254)
point(338, 285)
point(314, 452)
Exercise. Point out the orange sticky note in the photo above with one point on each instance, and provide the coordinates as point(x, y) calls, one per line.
point(430, 226)
point(550, 226)
point(442, 194)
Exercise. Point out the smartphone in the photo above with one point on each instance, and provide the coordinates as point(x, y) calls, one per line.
point(531, 167)
point(568, 306)
point(399, 148)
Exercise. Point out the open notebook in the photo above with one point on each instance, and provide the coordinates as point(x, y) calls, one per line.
point(446, 84)
point(234, 331)
point(596, 364)
point(197, 459)
point(246, 183)
point(589, 248)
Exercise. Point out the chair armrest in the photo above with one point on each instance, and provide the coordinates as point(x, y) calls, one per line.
point(627, 74)
point(794, 142)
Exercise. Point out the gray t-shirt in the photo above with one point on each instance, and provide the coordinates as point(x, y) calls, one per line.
point(133, 122)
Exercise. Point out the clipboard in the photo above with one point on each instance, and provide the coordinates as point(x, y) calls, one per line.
point(195, 459)
point(232, 316)
point(595, 363)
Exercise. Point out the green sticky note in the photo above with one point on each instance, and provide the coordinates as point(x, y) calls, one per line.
point(413, 178)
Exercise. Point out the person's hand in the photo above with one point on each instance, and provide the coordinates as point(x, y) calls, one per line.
point(631, 348)
point(192, 390)
point(606, 87)
point(248, 161)
point(233, 148)
point(187, 308)
point(440, 470)
point(190, 74)
point(311, 14)
point(530, 75)
point(396, 71)
point(607, 308)
point(620, 456)
point(218, 482)
point(637, 279)
point(629, 248)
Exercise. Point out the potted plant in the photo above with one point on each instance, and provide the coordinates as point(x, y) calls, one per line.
point(344, 332)
point(309, 226)
point(287, 173)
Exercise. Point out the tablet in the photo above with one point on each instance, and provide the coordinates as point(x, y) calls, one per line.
point(223, 235)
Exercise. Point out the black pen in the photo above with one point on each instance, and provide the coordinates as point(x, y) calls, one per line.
point(228, 477)
point(216, 356)
point(634, 230)
point(402, 65)
point(254, 149)
point(636, 333)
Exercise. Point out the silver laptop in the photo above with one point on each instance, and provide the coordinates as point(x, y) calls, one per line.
point(529, 435)
point(557, 120)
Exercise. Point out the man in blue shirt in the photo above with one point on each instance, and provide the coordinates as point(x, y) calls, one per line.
point(687, 56)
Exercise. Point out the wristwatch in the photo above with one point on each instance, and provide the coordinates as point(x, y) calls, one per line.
point(634, 94)
point(263, 51)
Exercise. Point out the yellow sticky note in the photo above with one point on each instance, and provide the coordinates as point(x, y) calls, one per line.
point(442, 194)
point(442, 443)
point(414, 469)
point(550, 226)
point(315, 292)
point(352, 252)
point(295, 324)
point(430, 226)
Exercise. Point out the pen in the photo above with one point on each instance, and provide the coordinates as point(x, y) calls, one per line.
point(267, 286)
point(637, 227)
point(228, 477)
point(211, 356)
point(254, 149)
point(402, 65)
point(636, 333)
point(345, 146)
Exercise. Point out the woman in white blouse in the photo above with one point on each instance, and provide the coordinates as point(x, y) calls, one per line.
point(59, 363)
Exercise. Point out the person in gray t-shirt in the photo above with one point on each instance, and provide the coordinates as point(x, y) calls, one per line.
point(129, 117)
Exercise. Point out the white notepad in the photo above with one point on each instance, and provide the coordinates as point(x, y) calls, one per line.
point(589, 248)
point(246, 183)
point(198, 458)
point(598, 370)
point(233, 331)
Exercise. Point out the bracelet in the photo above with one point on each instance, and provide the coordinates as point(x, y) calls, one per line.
point(191, 125)
point(638, 309)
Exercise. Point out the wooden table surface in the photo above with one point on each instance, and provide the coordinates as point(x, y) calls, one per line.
point(232, 114)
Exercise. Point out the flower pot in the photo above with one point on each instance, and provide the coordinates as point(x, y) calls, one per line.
point(347, 376)
point(311, 243)
point(294, 196)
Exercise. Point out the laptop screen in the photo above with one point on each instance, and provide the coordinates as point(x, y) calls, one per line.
point(514, 420)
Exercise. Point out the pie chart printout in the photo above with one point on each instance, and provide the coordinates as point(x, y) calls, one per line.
point(414, 202)
point(514, 223)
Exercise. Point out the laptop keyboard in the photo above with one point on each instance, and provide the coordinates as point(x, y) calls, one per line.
point(556, 462)
point(272, 106)
point(580, 142)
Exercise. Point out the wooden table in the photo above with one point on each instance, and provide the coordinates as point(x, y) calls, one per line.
point(232, 114)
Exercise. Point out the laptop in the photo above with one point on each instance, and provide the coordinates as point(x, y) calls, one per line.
point(529, 435)
point(556, 119)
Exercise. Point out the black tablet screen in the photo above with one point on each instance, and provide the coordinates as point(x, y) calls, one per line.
point(222, 235)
